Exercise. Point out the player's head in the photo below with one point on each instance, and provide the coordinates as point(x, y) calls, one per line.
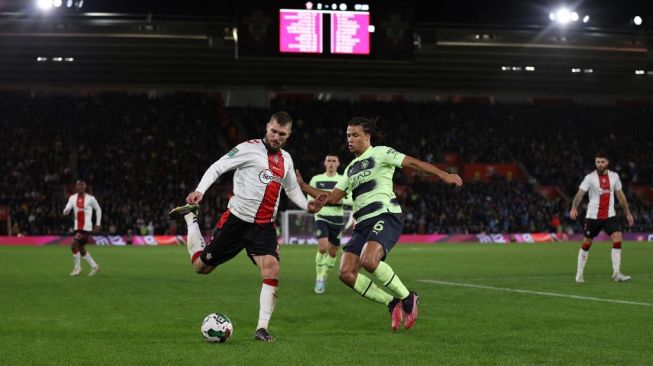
point(331, 163)
point(278, 130)
point(80, 186)
point(601, 161)
point(359, 134)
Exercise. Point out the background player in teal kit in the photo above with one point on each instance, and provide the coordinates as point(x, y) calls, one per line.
point(379, 222)
point(329, 222)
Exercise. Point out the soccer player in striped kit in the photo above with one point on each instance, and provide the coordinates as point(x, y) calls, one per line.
point(379, 219)
point(603, 185)
point(329, 222)
point(262, 169)
point(83, 204)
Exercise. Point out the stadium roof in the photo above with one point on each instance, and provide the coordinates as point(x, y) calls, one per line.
point(195, 48)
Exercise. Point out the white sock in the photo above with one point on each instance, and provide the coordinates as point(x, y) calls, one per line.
point(195, 239)
point(268, 300)
point(582, 259)
point(90, 260)
point(76, 257)
point(616, 260)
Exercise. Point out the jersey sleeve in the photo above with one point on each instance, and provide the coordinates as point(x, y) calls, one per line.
point(234, 159)
point(585, 184)
point(290, 185)
point(347, 201)
point(391, 156)
point(343, 183)
point(98, 211)
point(617, 184)
point(69, 205)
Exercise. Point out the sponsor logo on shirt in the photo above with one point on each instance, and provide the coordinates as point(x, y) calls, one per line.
point(266, 177)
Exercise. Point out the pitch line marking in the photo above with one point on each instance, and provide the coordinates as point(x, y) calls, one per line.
point(530, 292)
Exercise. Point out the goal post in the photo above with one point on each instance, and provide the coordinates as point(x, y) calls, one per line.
point(298, 227)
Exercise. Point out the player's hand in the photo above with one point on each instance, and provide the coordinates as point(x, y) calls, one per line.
point(194, 198)
point(454, 179)
point(317, 204)
point(573, 214)
point(300, 180)
point(630, 219)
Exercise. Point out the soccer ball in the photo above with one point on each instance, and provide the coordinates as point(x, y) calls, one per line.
point(217, 328)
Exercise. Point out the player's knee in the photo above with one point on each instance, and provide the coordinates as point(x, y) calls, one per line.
point(333, 251)
point(272, 270)
point(347, 277)
point(587, 244)
point(201, 268)
point(369, 262)
point(321, 250)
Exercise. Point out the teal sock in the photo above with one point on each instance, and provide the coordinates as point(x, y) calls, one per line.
point(390, 280)
point(369, 290)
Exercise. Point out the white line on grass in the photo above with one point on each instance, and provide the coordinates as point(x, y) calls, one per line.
point(553, 294)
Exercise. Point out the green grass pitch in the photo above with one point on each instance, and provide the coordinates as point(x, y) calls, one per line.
point(145, 308)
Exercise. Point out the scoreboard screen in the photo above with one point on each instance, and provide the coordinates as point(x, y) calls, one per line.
point(381, 30)
point(304, 31)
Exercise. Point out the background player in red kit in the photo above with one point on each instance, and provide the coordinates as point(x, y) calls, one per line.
point(83, 205)
point(262, 168)
point(603, 185)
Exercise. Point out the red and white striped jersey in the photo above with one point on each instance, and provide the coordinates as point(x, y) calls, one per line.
point(83, 205)
point(601, 190)
point(258, 179)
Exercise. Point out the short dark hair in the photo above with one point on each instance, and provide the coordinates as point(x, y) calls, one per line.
point(369, 126)
point(601, 154)
point(282, 118)
point(331, 153)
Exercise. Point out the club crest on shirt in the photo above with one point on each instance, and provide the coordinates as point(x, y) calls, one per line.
point(276, 159)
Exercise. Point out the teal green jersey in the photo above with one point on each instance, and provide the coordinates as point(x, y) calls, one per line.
point(368, 179)
point(332, 213)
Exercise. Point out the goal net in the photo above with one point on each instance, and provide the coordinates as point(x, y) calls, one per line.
point(298, 227)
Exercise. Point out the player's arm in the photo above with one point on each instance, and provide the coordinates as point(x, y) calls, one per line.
point(624, 204)
point(69, 206)
point(430, 169)
point(307, 188)
point(294, 192)
point(578, 198)
point(98, 213)
point(231, 160)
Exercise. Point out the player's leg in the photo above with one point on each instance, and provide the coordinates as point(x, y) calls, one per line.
point(384, 235)
point(321, 255)
point(582, 259)
point(350, 275)
point(195, 241)
point(591, 230)
point(74, 247)
point(262, 247)
point(612, 229)
point(332, 248)
point(269, 268)
point(350, 264)
point(87, 256)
